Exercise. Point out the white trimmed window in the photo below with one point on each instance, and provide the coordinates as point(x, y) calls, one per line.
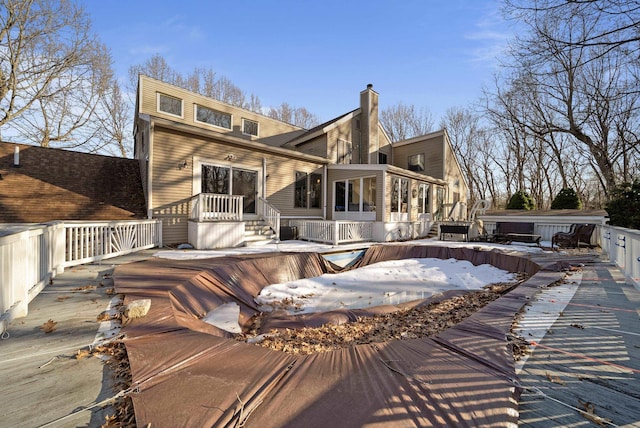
point(213, 117)
point(170, 105)
point(249, 127)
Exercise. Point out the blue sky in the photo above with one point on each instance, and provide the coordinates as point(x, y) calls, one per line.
point(318, 55)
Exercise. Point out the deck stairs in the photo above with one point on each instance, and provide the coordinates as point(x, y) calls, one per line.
point(433, 232)
point(258, 232)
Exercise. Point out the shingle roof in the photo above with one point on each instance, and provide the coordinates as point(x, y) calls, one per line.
point(54, 184)
point(322, 125)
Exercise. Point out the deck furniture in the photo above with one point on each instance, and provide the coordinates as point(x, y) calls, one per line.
point(454, 229)
point(578, 234)
point(509, 231)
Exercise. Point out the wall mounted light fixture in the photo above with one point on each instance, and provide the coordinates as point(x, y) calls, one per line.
point(230, 157)
point(414, 193)
point(183, 164)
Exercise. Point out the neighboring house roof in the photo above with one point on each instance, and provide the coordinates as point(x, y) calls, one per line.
point(53, 184)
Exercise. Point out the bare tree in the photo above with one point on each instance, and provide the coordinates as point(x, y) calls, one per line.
point(113, 120)
point(298, 116)
point(580, 90)
point(53, 71)
point(405, 121)
point(613, 23)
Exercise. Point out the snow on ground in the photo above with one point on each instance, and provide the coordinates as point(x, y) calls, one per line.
point(389, 282)
point(304, 246)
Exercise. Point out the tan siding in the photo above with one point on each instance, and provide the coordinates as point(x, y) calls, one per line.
point(455, 174)
point(315, 147)
point(173, 185)
point(341, 132)
point(271, 131)
point(433, 150)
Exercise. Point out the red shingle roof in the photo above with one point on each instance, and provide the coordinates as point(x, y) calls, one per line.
point(54, 184)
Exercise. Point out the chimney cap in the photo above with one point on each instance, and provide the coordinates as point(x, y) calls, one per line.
point(370, 86)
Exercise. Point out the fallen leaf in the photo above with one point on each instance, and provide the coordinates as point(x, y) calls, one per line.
point(62, 298)
point(82, 353)
point(49, 326)
point(554, 379)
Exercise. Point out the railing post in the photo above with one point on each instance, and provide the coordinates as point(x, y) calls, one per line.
point(336, 232)
point(200, 207)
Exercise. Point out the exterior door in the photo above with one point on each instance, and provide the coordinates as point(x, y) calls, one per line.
point(228, 180)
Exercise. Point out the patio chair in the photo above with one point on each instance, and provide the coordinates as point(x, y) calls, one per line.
point(579, 233)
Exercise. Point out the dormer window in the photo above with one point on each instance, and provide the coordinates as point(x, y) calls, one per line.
point(170, 105)
point(249, 127)
point(213, 117)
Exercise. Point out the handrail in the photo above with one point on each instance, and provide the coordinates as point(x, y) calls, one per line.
point(215, 206)
point(270, 214)
point(480, 206)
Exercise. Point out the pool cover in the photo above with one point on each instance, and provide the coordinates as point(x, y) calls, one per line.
point(187, 372)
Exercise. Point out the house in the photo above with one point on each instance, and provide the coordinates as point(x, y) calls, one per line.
point(215, 173)
point(39, 185)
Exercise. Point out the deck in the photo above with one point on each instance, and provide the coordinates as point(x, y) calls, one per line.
point(584, 371)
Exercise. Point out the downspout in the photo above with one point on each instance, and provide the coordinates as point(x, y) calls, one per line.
point(149, 174)
point(264, 178)
point(324, 191)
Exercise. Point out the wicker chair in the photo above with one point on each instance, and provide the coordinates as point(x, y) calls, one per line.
point(579, 233)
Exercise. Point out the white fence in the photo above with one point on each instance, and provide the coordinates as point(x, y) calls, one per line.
point(31, 257)
point(335, 232)
point(623, 248)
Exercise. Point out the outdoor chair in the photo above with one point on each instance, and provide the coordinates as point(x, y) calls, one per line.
point(579, 233)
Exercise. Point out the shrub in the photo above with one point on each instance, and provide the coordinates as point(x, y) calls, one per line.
point(624, 206)
point(567, 199)
point(521, 201)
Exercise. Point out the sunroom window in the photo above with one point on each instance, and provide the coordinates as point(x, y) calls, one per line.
point(355, 195)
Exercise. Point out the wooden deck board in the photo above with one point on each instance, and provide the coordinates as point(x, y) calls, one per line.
point(590, 355)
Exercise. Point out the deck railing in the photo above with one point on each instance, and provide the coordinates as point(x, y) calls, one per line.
point(216, 207)
point(335, 232)
point(623, 248)
point(88, 242)
point(270, 215)
point(32, 256)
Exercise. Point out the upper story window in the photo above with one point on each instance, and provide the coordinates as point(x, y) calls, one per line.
point(382, 158)
point(345, 152)
point(169, 104)
point(213, 117)
point(416, 162)
point(249, 127)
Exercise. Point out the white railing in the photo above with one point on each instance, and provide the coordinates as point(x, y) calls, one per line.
point(216, 207)
point(623, 248)
point(335, 232)
point(88, 242)
point(479, 207)
point(28, 260)
point(455, 211)
point(32, 256)
point(270, 215)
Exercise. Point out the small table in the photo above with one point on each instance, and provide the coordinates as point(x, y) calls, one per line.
point(524, 237)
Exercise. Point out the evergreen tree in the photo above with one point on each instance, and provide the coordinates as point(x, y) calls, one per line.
point(624, 207)
point(521, 200)
point(567, 199)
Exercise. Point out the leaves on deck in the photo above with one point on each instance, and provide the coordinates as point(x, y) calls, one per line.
point(49, 326)
point(590, 413)
point(554, 379)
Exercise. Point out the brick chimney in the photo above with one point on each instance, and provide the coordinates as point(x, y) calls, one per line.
point(369, 125)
